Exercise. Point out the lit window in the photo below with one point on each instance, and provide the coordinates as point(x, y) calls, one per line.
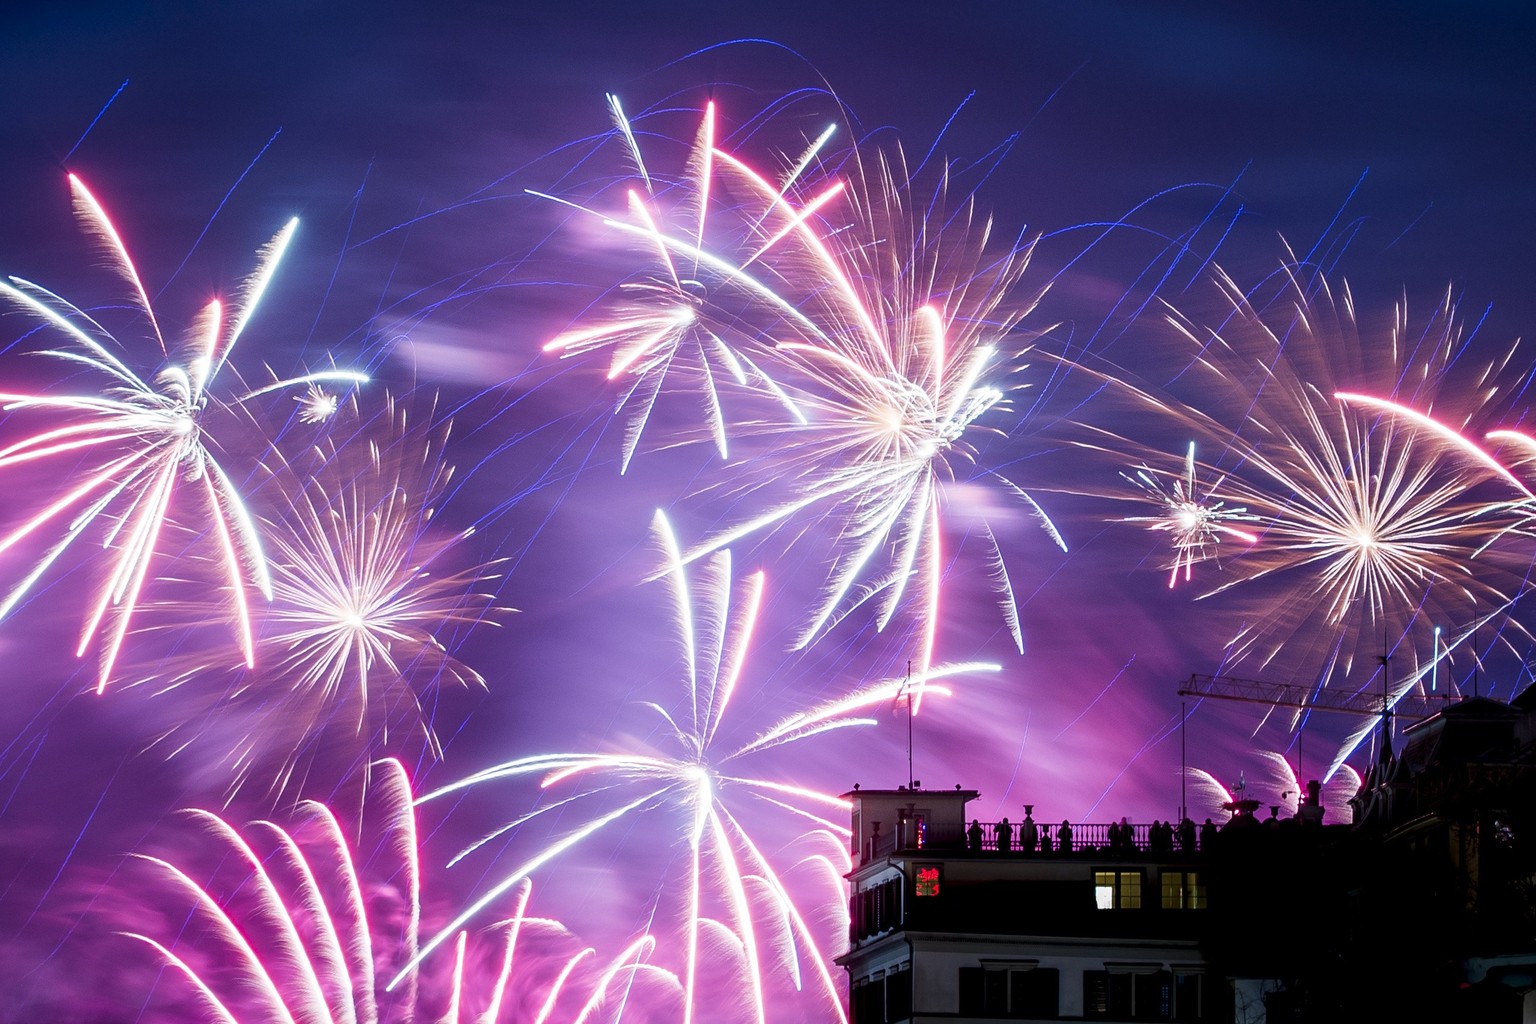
point(1183, 890)
point(1117, 890)
point(928, 878)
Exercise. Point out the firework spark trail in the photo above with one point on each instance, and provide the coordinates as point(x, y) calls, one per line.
point(1286, 787)
point(361, 586)
point(914, 312)
point(1413, 681)
point(1209, 793)
point(144, 438)
point(1519, 514)
point(700, 313)
point(875, 321)
point(309, 921)
point(700, 789)
point(305, 947)
point(1193, 518)
point(1280, 784)
point(365, 588)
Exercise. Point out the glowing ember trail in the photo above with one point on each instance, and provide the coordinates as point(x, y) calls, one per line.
point(1194, 522)
point(298, 921)
point(875, 325)
point(706, 801)
point(366, 588)
point(141, 444)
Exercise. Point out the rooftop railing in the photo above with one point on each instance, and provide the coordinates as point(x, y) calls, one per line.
point(1006, 838)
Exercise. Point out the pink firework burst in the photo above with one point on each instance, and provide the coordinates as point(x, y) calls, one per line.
point(308, 921)
point(710, 794)
point(139, 443)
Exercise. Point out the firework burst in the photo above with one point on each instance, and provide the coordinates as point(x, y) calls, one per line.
point(1193, 518)
point(884, 320)
point(365, 591)
point(307, 922)
point(141, 441)
point(1372, 504)
point(914, 367)
point(362, 586)
point(316, 405)
point(714, 292)
point(1283, 785)
point(734, 893)
point(1276, 783)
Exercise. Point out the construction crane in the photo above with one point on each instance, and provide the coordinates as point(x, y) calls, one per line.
point(1411, 706)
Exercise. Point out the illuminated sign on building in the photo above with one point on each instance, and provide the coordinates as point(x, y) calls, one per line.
point(928, 878)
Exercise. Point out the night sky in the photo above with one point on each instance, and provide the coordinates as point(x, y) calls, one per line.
point(1143, 146)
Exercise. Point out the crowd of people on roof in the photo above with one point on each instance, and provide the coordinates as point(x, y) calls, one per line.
point(1162, 837)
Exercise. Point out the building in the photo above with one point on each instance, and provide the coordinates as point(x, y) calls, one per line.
point(955, 922)
point(1445, 902)
point(1424, 909)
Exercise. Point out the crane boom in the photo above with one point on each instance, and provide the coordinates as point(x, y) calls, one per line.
point(1285, 695)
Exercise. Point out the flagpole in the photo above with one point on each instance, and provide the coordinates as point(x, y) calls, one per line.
point(908, 687)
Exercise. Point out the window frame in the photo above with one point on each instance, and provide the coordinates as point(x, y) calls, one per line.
point(1122, 896)
point(998, 987)
point(1124, 991)
point(1191, 894)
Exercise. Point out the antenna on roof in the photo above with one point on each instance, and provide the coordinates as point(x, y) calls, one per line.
point(1384, 755)
point(1183, 760)
point(1477, 664)
point(906, 687)
point(1434, 664)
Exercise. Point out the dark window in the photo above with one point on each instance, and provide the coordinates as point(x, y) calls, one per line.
point(1001, 990)
point(996, 989)
point(1096, 993)
point(1035, 993)
point(1121, 993)
point(867, 1002)
point(1154, 996)
point(1186, 997)
point(1183, 890)
point(898, 995)
point(882, 1000)
point(1124, 995)
point(875, 910)
point(890, 904)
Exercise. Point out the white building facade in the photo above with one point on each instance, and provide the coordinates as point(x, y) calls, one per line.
point(961, 923)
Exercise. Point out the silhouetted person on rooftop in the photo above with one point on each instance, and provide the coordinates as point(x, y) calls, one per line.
point(1207, 834)
point(1004, 836)
point(973, 835)
point(1187, 835)
point(1064, 837)
point(1045, 841)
